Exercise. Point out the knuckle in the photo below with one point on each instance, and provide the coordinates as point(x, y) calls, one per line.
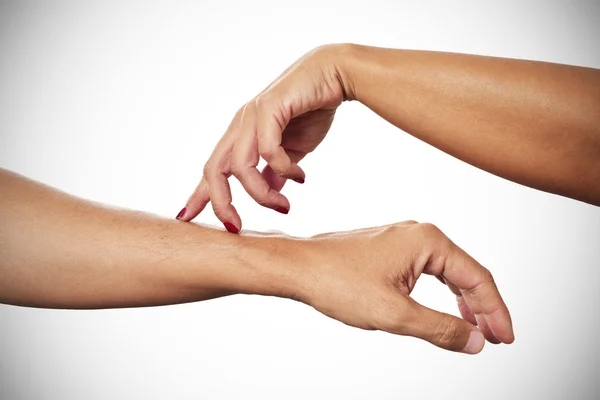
point(206, 171)
point(262, 198)
point(239, 112)
point(266, 97)
point(261, 100)
point(281, 170)
point(446, 331)
point(236, 168)
point(250, 107)
point(267, 153)
point(394, 227)
point(429, 229)
point(391, 228)
point(433, 240)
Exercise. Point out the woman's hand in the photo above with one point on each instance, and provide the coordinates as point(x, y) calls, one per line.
point(530, 122)
point(364, 278)
point(282, 125)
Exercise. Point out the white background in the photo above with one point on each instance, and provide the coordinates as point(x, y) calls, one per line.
point(123, 103)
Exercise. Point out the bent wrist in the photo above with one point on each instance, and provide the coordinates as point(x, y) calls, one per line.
point(346, 60)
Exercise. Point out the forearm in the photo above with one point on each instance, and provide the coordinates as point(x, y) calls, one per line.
point(58, 251)
point(531, 122)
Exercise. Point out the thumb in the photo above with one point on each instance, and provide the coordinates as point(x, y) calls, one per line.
point(444, 330)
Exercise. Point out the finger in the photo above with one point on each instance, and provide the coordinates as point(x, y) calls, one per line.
point(477, 286)
point(485, 329)
point(258, 188)
point(466, 312)
point(196, 203)
point(484, 299)
point(443, 330)
point(220, 198)
point(220, 158)
point(468, 315)
point(463, 307)
point(275, 181)
point(244, 160)
point(271, 121)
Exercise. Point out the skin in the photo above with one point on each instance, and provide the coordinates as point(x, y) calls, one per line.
point(58, 251)
point(531, 122)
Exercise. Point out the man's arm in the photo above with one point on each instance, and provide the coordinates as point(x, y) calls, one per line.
point(534, 123)
point(58, 251)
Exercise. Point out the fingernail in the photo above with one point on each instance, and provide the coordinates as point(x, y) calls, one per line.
point(230, 227)
point(299, 180)
point(282, 210)
point(181, 213)
point(475, 343)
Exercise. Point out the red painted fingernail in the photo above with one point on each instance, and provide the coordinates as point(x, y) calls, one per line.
point(180, 213)
point(282, 210)
point(299, 180)
point(230, 227)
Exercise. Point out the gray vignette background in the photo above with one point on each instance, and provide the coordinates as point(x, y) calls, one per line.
point(122, 102)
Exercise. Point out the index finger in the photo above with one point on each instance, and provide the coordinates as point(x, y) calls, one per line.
point(479, 291)
point(214, 186)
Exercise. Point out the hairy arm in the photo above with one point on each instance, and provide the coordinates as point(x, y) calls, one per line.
point(58, 251)
point(534, 123)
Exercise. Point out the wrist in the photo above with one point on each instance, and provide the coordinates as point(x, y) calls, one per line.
point(274, 265)
point(345, 59)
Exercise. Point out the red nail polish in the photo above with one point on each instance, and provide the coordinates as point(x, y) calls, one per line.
point(282, 210)
point(299, 180)
point(230, 227)
point(180, 213)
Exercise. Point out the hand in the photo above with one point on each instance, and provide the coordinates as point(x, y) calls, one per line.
point(282, 125)
point(364, 278)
